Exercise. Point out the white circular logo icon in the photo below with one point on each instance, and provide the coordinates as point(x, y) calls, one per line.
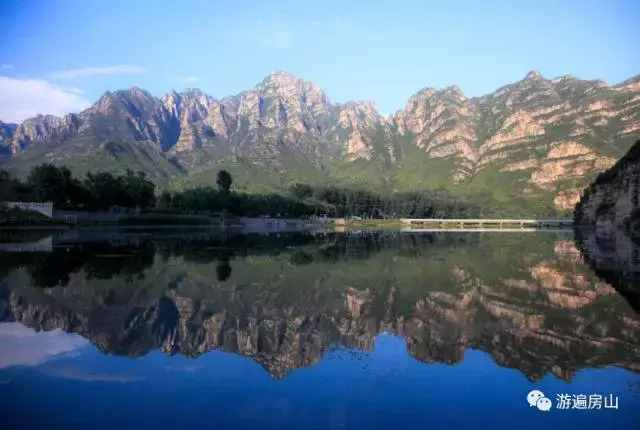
point(536, 398)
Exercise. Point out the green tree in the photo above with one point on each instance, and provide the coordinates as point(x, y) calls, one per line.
point(166, 200)
point(224, 181)
point(301, 191)
point(138, 190)
point(55, 184)
point(106, 190)
point(8, 187)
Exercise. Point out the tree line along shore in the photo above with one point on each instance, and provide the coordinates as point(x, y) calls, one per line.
point(136, 195)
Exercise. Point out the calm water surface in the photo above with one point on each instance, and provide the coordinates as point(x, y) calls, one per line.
point(106, 329)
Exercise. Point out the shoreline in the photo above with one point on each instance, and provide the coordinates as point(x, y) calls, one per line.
point(269, 225)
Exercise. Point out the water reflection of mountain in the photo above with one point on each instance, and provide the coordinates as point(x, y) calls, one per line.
point(283, 300)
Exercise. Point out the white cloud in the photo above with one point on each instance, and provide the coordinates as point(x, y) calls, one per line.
point(190, 79)
point(83, 72)
point(24, 98)
point(23, 346)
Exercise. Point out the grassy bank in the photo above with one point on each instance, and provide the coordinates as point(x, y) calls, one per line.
point(168, 219)
point(371, 223)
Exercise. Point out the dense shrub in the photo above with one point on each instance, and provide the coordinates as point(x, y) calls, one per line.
point(98, 191)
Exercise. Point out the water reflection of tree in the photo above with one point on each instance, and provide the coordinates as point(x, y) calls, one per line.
point(131, 255)
point(223, 270)
point(54, 269)
point(97, 262)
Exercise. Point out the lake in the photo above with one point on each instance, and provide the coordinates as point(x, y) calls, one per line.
point(315, 330)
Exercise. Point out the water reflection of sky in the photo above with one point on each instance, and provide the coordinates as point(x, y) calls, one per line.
point(47, 375)
point(23, 346)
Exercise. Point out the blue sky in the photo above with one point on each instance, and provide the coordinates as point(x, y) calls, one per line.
point(57, 56)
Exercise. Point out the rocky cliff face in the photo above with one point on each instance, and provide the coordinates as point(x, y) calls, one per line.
point(130, 115)
point(199, 118)
point(609, 216)
point(613, 199)
point(43, 130)
point(552, 133)
point(443, 124)
point(6, 136)
point(538, 138)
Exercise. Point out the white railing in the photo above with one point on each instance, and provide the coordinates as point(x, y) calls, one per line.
point(486, 221)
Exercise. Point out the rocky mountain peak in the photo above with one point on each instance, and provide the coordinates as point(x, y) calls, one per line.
point(138, 92)
point(564, 78)
point(194, 92)
point(287, 86)
point(366, 107)
point(44, 129)
point(359, 124)
point(285, 102)
point(429, 104)
point(131, 114)
point(133, 100)
point(424, 93)
point(187, 100)
point(279, 83)
point(454, 91)
point(280, 77)
point(630, 85)
point(533, 75)
point(198, 117)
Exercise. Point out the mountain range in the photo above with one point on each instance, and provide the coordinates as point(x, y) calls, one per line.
point(531, 146)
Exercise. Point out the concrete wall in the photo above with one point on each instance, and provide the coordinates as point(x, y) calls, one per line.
point(45, 208)
point(74, 217)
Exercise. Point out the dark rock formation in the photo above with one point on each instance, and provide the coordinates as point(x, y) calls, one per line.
point(613, 199)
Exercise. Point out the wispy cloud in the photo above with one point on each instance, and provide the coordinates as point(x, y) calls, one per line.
point(283, 34)
point(190, 79)
point(24, 98)
point(80, 372)
point(83, 72)
point(271, 33)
